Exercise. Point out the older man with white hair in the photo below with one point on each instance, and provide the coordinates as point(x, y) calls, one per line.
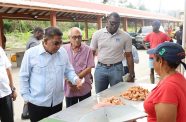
point(81, 57)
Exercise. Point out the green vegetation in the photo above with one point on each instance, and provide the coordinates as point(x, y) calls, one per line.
point(18, 32)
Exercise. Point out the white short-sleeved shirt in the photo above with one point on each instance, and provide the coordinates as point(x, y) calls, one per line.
point(135, 56)
point(4, 81)
point(110, 47)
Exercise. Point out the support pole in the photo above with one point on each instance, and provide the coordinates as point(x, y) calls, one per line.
point(53, 18)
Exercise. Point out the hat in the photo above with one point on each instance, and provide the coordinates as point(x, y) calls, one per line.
point(156, 23)
point(170, 51)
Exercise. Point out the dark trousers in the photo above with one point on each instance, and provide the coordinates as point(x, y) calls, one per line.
point(6, 109)
point(38, 112)
point(73, 100)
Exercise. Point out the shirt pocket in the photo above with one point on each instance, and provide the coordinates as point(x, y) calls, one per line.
point(60, 67)
point(39, 68)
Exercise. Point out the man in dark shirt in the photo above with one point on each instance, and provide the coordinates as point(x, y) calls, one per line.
point(35, 38)
point(178, 35)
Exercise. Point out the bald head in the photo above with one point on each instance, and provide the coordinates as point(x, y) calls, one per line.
point(75, 36)
point(74, 30)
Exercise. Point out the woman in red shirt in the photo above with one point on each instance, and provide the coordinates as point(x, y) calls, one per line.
point(166, 102)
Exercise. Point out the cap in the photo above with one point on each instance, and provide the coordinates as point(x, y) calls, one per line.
point(156, 23)
point(170, 51)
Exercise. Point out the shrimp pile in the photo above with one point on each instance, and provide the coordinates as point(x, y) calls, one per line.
point(113, 100)
point(135, 93)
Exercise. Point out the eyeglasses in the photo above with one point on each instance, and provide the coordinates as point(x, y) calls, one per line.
point(114, 23)
point(76, 37)
point(56, 43)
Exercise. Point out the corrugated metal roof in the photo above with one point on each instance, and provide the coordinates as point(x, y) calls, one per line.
point(70, 10)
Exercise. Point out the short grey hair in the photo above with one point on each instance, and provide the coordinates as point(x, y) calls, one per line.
point(70, 31)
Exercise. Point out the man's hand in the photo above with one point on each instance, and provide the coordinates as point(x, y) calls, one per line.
point(73, 88)
point(79, 82)
point(14, 95)
point(130, 78)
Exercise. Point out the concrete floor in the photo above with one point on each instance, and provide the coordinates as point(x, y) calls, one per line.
point(141, 71)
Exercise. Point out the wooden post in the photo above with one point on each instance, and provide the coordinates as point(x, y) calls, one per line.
point(178, 24)
point(143, 22)
point(53, 18)
point(125, 24)
point(86, 30)
point(136, 24)
point(1, 32)
point(99, 22)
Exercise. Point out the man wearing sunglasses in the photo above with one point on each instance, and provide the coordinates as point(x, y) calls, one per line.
point(110, 42)
point(34, 40)
point(42, 75)
point(82, 59)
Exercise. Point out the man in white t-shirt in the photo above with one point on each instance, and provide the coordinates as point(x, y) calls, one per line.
point(7, 89)
point(135, 59)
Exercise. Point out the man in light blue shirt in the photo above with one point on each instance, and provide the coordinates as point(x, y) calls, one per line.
point(42, 75)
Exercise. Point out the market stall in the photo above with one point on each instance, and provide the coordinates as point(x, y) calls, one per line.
point(76, 112)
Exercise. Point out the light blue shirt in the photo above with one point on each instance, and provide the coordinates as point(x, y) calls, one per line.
point(42, 76)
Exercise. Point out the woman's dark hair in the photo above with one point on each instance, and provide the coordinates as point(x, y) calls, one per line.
point(50, 32)
point(170, 64)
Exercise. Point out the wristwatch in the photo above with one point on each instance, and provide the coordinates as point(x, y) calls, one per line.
point(132, 75)
point(13, 89)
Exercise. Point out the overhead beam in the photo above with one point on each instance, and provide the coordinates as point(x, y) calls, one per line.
point(7, 10)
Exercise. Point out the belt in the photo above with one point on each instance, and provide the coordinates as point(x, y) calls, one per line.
point(109, 65)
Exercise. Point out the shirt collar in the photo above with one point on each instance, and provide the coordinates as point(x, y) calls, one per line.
point(41, 49)
point(81, 47)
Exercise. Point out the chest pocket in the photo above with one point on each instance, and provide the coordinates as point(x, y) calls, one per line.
point(38, 67)
point(60, 67)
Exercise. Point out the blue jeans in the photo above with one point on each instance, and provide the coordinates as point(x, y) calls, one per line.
point(125, 70)
point(107, 75)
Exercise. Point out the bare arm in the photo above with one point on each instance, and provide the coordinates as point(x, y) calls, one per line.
point(84, 72)
point(166, 112)
point(14, 94)
point(130, 64)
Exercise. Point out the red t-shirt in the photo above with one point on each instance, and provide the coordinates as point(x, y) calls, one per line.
point(171, 90)
point(156, 38)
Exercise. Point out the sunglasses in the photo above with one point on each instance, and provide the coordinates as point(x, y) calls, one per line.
point(56, 43)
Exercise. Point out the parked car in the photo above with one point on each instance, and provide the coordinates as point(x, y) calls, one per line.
point(142, 33)
point(133, 36)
